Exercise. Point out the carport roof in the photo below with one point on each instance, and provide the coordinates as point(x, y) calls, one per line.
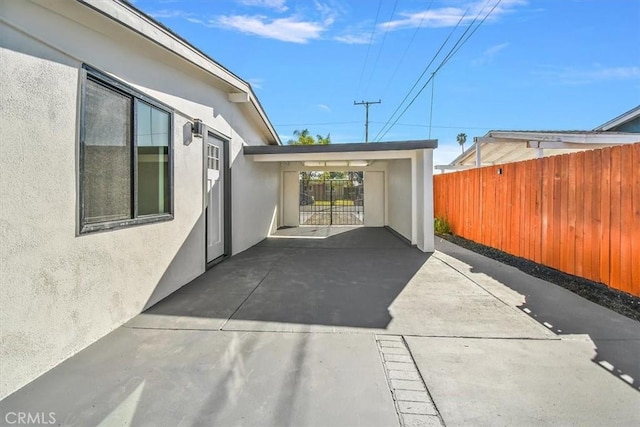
point(363, 150)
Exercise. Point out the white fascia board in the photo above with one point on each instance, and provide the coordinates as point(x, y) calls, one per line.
point(569, 145)
point(623, 118)
point(130, 18)
point(321, 157)
point(610, 138)
point(454, 167)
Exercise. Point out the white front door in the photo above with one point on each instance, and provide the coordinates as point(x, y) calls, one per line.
point(215, 197)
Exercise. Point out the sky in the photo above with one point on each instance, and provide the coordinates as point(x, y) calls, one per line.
point(439, 67)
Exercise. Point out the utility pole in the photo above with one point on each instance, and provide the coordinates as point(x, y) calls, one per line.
point(366, 117)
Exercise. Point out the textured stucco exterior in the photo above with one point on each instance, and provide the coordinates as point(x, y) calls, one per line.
point(62, 290)
point(399, 185)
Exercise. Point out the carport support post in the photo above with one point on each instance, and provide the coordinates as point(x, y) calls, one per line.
point(423, 200)
point(414, 199)
point(427, 210)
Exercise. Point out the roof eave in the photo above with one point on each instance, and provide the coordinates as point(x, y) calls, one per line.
point(621, 119)
point(127, 15)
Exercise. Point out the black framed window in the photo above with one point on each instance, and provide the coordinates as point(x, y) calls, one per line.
point(126, 150)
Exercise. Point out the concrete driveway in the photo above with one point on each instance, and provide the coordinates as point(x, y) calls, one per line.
point(352, 327)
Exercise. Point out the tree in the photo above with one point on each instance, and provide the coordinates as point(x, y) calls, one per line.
point(304, 138)
point(462, 138)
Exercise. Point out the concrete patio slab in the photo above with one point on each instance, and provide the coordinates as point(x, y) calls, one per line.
point(488, 382)
point(616, 337)
point(398, 291)
point(197, 378)
point(208, 301)
point(365, 331)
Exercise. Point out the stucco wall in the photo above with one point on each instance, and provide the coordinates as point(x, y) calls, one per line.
point(256, 189)
point(61, 291)
point(399, 191)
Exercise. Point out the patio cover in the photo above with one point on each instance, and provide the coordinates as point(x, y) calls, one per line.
point(498, 147)
point(357, 156)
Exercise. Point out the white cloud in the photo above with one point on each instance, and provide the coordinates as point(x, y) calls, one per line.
point(598, 73)
point(490, 53)
point(449, 16)
point(277, 5)
point(493, 50)
point(284, 29)
point(329, 11)
point(361, 38)
point(324, 107)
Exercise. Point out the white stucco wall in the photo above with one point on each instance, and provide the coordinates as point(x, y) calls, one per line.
point(290, 198)
point(61, 291)
point(255, 191)
point(374, 198)
point(399, 200)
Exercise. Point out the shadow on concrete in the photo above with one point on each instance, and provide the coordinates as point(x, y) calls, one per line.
point(617, 338)
point(348, 279)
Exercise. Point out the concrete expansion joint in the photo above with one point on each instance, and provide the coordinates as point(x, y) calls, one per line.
point(414, 405)
point(252, 292)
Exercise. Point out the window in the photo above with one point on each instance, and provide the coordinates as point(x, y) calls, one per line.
point(125, 156)
point(213, 157)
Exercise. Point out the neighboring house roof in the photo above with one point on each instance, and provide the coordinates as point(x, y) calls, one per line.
point(623, 121)
point(238, 90)
point(506, 146)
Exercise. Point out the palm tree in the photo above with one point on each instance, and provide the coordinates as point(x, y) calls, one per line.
point(462, 138)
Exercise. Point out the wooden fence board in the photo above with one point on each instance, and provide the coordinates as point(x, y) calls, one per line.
point(588, 234)
point(579, 213)
point(626, 220)
point(545, 212)
point(570, 266)
point(596, 220)
point(605, 214)
point(635, 228)
point(564, 210)
point(537, 224)
point(614, 248)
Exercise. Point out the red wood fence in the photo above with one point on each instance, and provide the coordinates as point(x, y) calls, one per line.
point(578, 213)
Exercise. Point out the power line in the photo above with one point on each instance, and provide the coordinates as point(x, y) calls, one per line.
point(423, 73)
point(433, 85)
point(316, 124)
point(421, 125)
point(366, 59)
point(404, 54)
point(461, 41)
point(384, 38)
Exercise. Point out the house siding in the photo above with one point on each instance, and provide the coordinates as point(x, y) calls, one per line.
point(60, 290)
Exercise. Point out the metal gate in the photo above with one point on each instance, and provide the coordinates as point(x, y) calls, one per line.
point(326, 201)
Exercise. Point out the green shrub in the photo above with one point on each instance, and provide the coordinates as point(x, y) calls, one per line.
point(441, 226)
